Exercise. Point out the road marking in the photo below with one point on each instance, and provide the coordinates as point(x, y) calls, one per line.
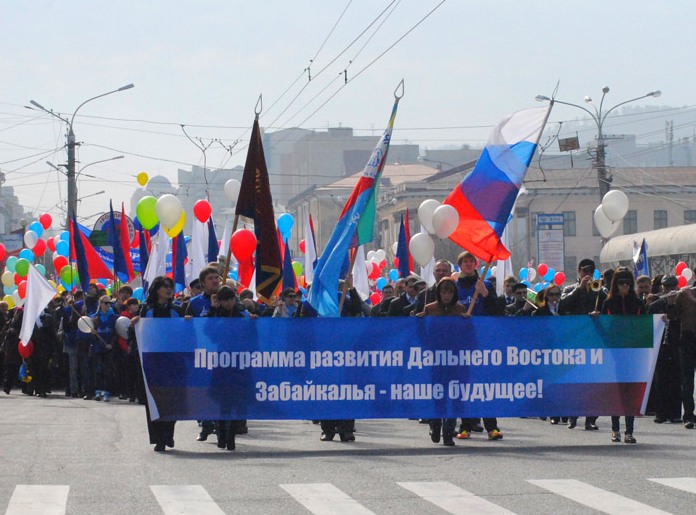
point(596, 498)
point(38, 499)
point(185, 499)
point(453, 499)
point(325, 499)
point(687, 484)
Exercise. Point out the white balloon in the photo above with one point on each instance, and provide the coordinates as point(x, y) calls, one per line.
point(122, 325)
point(605, 226)
point(615, 205)
point(395, 247)
point(19, 301)
point(380, 255)
point(55, 255)
point(370, 255)
point(494, 269)
point(445, 220)
point(85, 324)
point(425, 214)
point(531, 274)
point(30, 239)
point(168, 209)
point(422, 248)
point(687, 274)
point(232, 190)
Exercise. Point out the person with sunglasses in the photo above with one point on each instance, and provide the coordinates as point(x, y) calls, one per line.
point(287, 304)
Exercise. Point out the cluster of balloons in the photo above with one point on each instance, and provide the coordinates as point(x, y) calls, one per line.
point(375, 262)
point(684, 274)
point(608, 215)
point(544, 272)
point(438, 219)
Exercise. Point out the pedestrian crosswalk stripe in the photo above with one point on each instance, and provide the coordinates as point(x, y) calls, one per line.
point(38, 500)
point(185, 499)
point(453, 499)
point(325, 499)
point(595, 498)
point(687, 484)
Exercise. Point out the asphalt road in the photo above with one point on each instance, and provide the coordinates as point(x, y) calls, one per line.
point(60, 455)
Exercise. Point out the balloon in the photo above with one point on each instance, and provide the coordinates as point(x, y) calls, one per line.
point(85, 324)
point(422, 248)
point(393, 275)
point(9, 300)
point(135, 244)
point(537, 287)
point(46, 221)
point(27, 254)
point(370, 255)
point(22, 289)
point(202, 210)
point(11, 262)
point(285, 224)
point(65, 236)
point(41, 269)
point(682, 282)
point(375, 271)
point(7, 278)
point(122, 325)
point(597, 274)
point(142, 179)
point(524, 273)
point(178, 227)
point(375, 298)
point(63, 248)
point(138, 293)
point(526, 283)
point(549, 275)
point(382, 264)
point(2, 251)
point(17, 278)
point(425, 214)
point(680, 267)
point(22, 267)
point(531, 274)
point(297, 268)
point(243, 243)
point(232, 189)
point(615, 205)
point(147, 212)
point(605, 226)
point(51, 244)
point(494, 270)
point(445, 220)
point(381, 283)
point(687, 274)
point(380, 255)
point(559, 278)
point(396, 262)
point(26, 350)
point(542, 269)
point(18, 301)
point(66, 274)
point(37, 228)
point(303, 246)
point(59, 263)
point(40, 247)
point(168, 209)
point(395, 247)
point(30, 239)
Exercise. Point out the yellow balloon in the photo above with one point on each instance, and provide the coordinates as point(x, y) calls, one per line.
point(53, 283)
point(142, 178)
point(9, 300)
point(174, 231)
point(61, 288)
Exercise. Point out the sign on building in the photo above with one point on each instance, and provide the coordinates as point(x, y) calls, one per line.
point(550, 242)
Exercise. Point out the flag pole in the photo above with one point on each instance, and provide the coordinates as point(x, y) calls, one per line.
point(344, 292)
point(476, 293)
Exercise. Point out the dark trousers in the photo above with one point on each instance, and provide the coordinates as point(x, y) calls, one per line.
point(687, 358)
point(160, 432)
point(489, 424)
point(446, 425)
point(629, 424)
point(667, 388)
point(338, 426)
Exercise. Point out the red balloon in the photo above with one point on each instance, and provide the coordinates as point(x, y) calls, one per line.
point(202, 210)
point(135, 244)
point(243, 243)
point(396, 262)
point(25, 350)
point(303, 247)
point(382, 264)
point(40, 247)
point(45, 220)
point(680, 267)
point(542, 269)
point(2, 251)
point(51, 243)
point(374, 274)
point(682, 281)
point(559, 278)
point(375, 298)
point(17, 279)
point(59, 263)
point(22, 289)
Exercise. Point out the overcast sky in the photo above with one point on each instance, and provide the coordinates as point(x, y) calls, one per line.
point(204, 63)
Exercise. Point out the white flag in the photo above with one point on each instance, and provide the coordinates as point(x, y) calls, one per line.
point(360, 280)
point(39, 294)
point(198, 252)
point(310, 251)
point(157, 264)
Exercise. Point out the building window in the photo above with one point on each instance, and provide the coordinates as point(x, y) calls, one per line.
point(569, 223)
point(660, 218)
point(689, 216)
point(595, 232)
point(630, 222)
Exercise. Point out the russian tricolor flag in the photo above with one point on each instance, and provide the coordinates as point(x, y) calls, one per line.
point(485, 197)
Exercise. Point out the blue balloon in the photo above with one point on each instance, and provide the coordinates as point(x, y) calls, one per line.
point(234, 274)
point(304, 294)
point(154, 230)
point(488, 273)
point(26, 254)
point(549, 274)
point(65, 236)
point(63, 248)
point(9, 290)
point(11, 262)
point(524, 273)
point(527, 284)
point(393, 274)
point(285, 223)
point(381, 283)
point(41, 269)
point(37, 228)
point(537, 287)
point(596, 275)
point(138, 294)
point(136, 223)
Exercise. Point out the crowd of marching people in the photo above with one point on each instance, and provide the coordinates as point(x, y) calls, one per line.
point(100, 362)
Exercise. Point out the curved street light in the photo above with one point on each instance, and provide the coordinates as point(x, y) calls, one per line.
point(599, 116)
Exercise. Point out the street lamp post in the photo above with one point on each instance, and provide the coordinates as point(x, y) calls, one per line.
point(599, 117)
point(72, 176)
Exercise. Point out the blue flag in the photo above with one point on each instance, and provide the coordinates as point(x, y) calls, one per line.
point(80, 257)
point(288, 272)
point(402, 251)
point(120, 267)
point(212, 241)
point(640, 258)
point(181, 255)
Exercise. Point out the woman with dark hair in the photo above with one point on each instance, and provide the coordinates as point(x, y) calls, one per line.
point(622, 300)
point(159, 304)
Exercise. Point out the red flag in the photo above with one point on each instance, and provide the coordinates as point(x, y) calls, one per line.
point(407, 230)
point(97, 268)
point(124, 236)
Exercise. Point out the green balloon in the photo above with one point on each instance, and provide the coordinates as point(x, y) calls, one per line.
point(147, 215)
point(66, 274)
point(22, 267)
point(297, 268)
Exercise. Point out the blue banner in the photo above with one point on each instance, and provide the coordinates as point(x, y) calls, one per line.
point(334, 368)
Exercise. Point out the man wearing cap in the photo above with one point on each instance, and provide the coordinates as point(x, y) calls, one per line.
point(666, 386)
